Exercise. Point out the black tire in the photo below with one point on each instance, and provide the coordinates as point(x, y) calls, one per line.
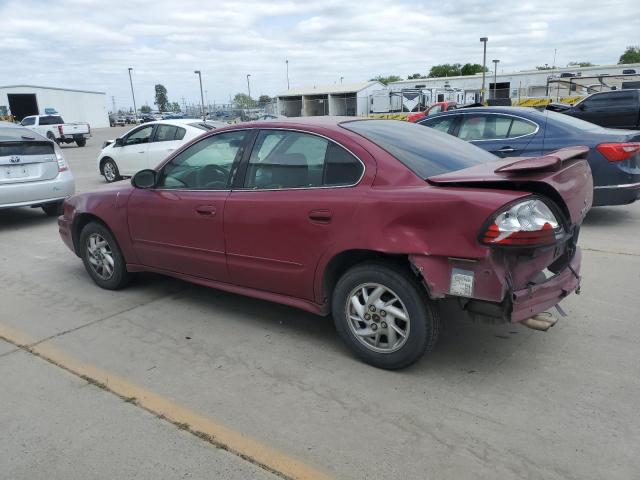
point(116, 173)
point(53, 209)
point(81, 142)
point(423, 318)
point(119, 277)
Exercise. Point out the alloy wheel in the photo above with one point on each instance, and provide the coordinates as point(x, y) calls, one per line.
point(100, 256)
point(109, 170)
point(377, 317)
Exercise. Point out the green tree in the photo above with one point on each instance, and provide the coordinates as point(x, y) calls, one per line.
point(445, 70)
point(630, 55)
point(174, 107)
point(472, 69)
point(415, 76)
point(244, 100)
point(264, 100)
point(580, 64)
point(386, 80)
point(145, 109)
point(161, 98)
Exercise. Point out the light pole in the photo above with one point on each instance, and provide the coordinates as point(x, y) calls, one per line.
point(135, 110)
point(495, 76)
point(484, 65)
point(287, 62)
point(341, 78)
point(248, 89)
point(197, 72)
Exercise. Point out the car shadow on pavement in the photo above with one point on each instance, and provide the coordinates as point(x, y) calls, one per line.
point(463, 348)
point(13, 218)
point(606, 216)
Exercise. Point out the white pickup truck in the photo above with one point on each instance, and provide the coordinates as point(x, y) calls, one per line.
point(54, 128)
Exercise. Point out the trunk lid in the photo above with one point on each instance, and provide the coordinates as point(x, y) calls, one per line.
point(563, 175)
point(27, 161)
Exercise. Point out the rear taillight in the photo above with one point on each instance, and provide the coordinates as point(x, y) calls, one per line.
point(60, 130)
point(616, 152)
point(62, 163)
point(526, 223)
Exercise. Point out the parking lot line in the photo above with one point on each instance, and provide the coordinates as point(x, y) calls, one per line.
point(203, 427)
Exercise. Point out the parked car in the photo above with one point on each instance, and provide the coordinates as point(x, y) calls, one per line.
point(378, 222)
point(54, 128)
point(614, 155)
point(33, 171)
point(145, 146)
point(121, 121)
point(613, 109)
point(432, 110)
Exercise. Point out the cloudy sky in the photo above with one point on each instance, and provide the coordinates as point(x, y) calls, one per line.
point(89, 44)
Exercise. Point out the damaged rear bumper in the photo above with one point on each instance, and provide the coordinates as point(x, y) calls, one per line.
point(490, 298)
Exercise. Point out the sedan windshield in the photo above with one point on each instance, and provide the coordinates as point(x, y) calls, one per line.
point(424, 151)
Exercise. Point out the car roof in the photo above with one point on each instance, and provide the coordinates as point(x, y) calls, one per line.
point(18, 132)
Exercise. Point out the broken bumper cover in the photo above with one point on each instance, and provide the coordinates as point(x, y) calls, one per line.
point(490, 298)
point(532, 300)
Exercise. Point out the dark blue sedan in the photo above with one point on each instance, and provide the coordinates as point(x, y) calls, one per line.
point(614, 155)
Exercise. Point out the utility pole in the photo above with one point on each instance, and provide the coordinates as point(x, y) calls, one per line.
point(135, 110)
point(484, 65)
point(341, 78)
point(495, 77)
point(113, 104)
point(249, 86)
point(287, 62)
point(197, 72)
point(555, 51)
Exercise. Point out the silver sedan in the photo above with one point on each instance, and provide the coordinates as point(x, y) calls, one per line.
point(33, 171)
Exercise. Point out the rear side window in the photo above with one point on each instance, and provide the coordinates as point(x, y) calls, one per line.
point(50, 120)
point(493, 127)
point(610, 100)
point(180, 133)
point(287, 159)
point(165, 133)
point(424, 151)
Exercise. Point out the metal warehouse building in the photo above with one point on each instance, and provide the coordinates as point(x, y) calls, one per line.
point(74, 105)
point(340, 99)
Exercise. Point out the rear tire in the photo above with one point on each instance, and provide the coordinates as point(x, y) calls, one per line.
point(383, 315)
point(102, 257)
point(110, 171)
point(81, 142)
point(53, 209)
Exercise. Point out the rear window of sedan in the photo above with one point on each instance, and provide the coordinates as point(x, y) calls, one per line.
point(424, 151)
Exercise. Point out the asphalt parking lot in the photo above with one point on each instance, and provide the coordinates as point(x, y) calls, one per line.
point(490, 401)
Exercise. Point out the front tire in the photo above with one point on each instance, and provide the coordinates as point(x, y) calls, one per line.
point(102, 257)
point(110, 171)
point(383, 315)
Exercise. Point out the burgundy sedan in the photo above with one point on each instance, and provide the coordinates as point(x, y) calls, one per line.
point(377, 222)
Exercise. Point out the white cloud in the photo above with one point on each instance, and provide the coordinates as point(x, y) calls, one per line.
point(90, 44)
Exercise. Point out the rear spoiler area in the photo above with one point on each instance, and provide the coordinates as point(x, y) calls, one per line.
point(545, 163)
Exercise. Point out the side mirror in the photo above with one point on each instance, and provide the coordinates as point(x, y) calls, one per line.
point(119, 142)
point(581, 106)
point(144, 179)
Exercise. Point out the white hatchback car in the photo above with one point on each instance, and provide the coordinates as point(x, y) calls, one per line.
point(146, 145)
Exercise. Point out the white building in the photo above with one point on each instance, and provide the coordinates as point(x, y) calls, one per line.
point(341, 99)
point(73, 105)
point(525, 84)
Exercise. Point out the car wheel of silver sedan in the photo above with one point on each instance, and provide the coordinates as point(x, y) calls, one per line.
point(102, 257)
point(383, 314)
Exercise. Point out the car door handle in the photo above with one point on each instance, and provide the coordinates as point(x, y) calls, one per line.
point(170, 149)
point(320, 216)
point(506, 150)
point(206, 210)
